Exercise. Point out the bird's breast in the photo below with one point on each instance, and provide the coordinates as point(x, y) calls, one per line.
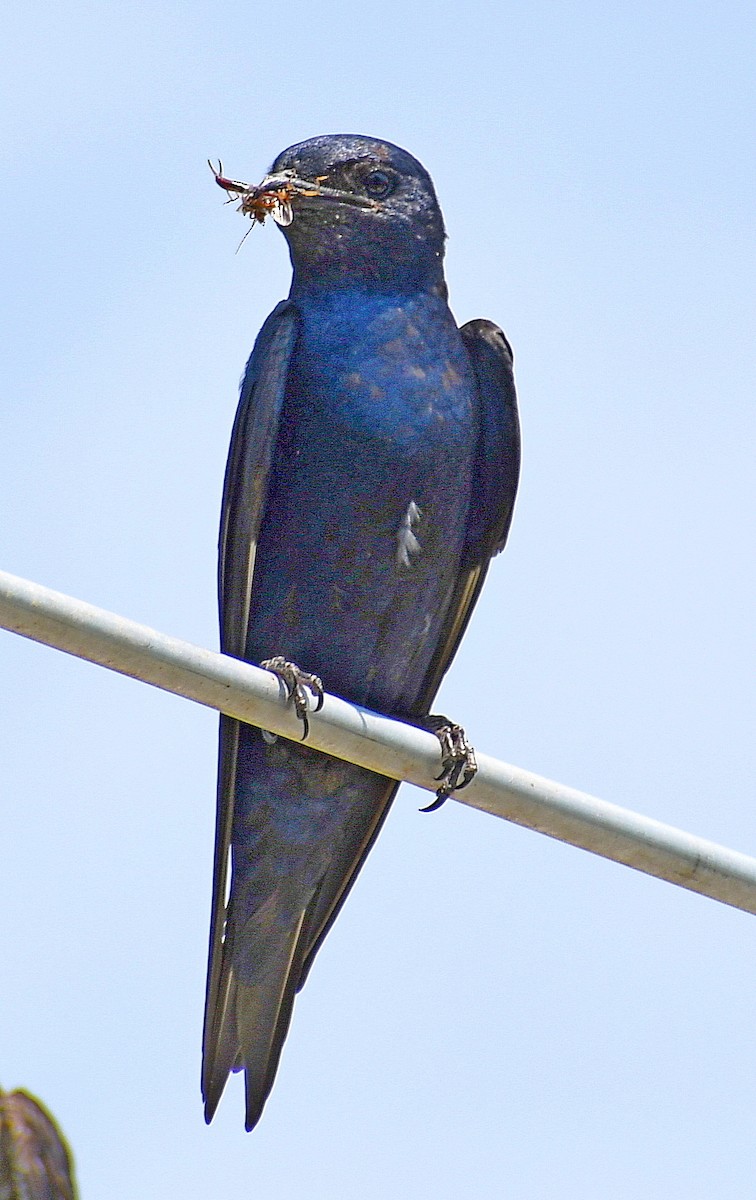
point(390, 371)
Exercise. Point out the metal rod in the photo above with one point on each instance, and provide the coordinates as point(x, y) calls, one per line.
point(378, 743)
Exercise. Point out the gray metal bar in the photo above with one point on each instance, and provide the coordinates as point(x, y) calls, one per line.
point(379, 743)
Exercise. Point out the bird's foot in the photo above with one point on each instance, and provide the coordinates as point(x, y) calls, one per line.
point(458, 762)
point(295, 681)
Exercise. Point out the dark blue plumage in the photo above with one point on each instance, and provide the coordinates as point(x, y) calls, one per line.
point(372, 474)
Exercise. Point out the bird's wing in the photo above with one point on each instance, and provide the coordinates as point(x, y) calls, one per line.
point(246, 484)
point(497, 473)
point(244, 493)
point(494, 491)
point(498, 470)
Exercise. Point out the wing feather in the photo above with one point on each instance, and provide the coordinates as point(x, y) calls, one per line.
point(244, 493)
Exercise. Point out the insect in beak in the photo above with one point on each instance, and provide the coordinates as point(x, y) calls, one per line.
point(268, 200)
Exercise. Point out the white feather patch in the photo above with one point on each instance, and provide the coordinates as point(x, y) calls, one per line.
point(407, 545)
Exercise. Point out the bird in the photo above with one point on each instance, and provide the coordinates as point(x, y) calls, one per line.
point(371, 477)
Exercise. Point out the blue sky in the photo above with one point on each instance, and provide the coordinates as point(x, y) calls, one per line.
point(494, 1014)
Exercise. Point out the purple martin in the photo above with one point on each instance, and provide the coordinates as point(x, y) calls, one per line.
point(371, 477)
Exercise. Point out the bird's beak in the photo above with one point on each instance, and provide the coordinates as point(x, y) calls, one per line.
point(277, 195)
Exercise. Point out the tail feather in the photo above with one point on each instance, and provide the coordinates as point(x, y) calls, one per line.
point(220, 1052)
point(263, 1013)
point(248, 1027)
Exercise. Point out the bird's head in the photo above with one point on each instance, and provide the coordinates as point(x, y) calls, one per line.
point(353, 209)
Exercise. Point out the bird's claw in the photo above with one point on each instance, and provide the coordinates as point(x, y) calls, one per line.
point(458, 762)
point(295, 681)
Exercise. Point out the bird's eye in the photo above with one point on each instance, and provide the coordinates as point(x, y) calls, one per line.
point(379, 184)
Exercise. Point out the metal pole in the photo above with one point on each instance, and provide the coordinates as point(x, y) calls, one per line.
point(378, 743)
